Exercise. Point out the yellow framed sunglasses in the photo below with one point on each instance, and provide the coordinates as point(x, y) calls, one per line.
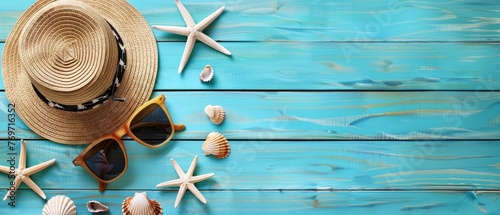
point(106, 158)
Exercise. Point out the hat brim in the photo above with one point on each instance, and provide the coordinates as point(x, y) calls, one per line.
point(83, 127)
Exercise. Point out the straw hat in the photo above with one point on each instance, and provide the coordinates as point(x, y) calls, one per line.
point(66, 61)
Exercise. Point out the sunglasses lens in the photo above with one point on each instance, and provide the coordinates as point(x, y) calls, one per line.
point(151, 125)
point(106, 159)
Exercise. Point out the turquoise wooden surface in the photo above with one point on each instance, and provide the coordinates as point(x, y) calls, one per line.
point(296, 202)
point(316, 20)
point(291, 165)
point(333, 115)
point(333, 107)
point(326, 66)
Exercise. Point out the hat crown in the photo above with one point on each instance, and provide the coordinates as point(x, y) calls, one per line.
point(66, 54)
point(69, 52)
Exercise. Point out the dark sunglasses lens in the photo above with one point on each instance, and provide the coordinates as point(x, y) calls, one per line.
point(151, 125)
point(106, 159)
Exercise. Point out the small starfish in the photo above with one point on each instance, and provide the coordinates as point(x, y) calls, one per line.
point(186, 181)
point(23, 174)
point(194, 32)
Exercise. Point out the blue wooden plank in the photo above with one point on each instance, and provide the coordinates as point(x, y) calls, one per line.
point(330, 115)
point(336, 20)
point(284, 165)
point(332, 66)
point(284, 202)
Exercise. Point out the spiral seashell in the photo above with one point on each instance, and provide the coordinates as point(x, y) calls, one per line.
point(59, 205)
point(207, 73)
point(215, 113)
point(216, 144)
point(96, 207)
point(140, 204)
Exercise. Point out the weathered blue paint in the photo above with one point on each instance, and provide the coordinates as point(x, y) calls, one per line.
point(288, 202)
point(288, 165)
point(319, 20)
point(332, 115)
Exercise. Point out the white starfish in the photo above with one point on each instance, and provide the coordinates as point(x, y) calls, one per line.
point(23, 174)
point(194, 32)
point(186, 181)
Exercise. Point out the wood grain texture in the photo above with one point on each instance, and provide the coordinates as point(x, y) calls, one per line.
point(337, 20)
point(287, 165)
point(332, 66)
point(331, 115)
point(287, 202)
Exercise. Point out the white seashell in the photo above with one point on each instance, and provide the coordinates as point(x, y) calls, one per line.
point(215, 113)
point(59, 205)
point(216, 144)
point(96, 207)
point(140, 204)
point(207, 73)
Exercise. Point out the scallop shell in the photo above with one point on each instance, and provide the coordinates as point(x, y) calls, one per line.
point(96, 207)
point(140, 204)
point(207, 73)
point(215, 113)
point(59, 205)
point(216, 144)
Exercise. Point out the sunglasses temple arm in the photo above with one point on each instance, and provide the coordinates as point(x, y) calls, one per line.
point(102, 186)
point(179, 127)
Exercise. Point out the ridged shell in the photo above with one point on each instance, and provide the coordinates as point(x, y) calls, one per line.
point(96, 207)
point(215, 113)
point(140, 204)
point(207, 73)
point(59, 205)
point(216, 144)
